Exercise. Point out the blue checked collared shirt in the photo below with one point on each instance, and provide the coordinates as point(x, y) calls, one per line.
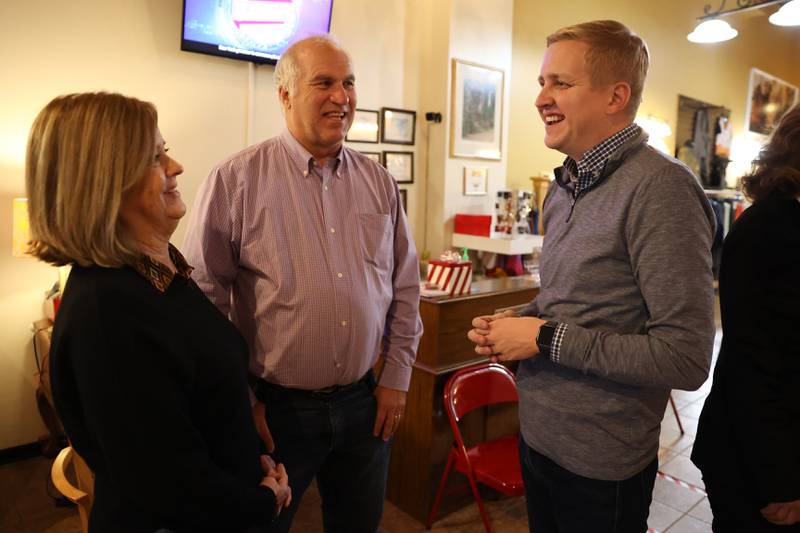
point(586, 172)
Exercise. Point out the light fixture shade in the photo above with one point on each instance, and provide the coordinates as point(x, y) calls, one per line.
point(712, 31)
point(20, 232)
point(657, 130)
point(787, 15)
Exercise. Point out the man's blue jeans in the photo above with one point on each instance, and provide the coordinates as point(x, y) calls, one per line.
point(560, 501)
point(330, 437)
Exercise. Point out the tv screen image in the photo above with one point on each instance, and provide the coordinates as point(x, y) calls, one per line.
point(252, 30)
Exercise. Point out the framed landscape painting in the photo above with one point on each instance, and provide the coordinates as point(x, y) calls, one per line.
point(476, 118)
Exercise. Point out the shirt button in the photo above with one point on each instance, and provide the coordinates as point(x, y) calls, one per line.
point(337, 365)
point(333, 230)
point(305, 173)
point(344, 323)
point(325, 187)
point(338, 274)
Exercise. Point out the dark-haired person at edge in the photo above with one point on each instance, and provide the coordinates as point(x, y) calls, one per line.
point(148, 377)
point(625, 309)
point(748, 438)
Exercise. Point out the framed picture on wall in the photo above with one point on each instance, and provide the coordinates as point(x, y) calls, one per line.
point(365, 127)
point(400, 165)
point(375, 156)
point(476, 115)
point(768, 99)
point(404, 199)
point(476, 181)
point(398, 125)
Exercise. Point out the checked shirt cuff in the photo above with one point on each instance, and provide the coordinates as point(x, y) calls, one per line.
point(555, 345)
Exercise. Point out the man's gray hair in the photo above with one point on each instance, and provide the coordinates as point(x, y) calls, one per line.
point(287, 71)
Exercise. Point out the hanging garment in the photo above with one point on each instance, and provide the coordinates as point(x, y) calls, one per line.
point(739, 210)
point(716, 246)
point(702, 143)
point(724, 137)
point(726, 217)
point(716, 178)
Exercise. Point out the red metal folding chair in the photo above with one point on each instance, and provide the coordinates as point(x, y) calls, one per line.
point(675, 410)
point(494, 463)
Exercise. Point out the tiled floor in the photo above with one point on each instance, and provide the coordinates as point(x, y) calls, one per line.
point(26, 507)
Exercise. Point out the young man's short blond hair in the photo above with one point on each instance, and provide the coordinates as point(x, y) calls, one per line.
point(615, 54)
point(85, 151)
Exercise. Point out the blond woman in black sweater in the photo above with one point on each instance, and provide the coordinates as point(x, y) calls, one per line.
point(149, 379)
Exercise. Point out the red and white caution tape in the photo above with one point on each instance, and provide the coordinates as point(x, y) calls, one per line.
point(681, 483)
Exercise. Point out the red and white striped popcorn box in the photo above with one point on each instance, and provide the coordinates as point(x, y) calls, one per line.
point(455, 278)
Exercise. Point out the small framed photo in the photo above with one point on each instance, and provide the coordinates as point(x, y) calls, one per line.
point(375, 156)
point(398, 125)
point(476, 181)
point(400, 165)
point(365, 127)
point(404, 200)
point(476, 124)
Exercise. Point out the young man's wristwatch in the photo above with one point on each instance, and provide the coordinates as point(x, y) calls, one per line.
point(545, 337)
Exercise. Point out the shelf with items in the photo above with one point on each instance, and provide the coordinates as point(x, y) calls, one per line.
point(520, 245)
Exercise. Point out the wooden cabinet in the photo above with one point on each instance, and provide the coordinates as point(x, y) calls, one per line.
point(424, 438)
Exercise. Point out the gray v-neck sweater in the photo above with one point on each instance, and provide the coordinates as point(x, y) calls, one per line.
point(628, 268)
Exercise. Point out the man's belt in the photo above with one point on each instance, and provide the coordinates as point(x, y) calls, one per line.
point(262, 388)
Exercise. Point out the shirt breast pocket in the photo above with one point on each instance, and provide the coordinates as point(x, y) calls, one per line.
point(376, 233)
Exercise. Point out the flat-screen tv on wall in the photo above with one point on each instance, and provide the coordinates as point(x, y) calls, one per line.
point(252, 30)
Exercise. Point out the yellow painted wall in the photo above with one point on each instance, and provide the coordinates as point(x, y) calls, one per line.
point(717, 73)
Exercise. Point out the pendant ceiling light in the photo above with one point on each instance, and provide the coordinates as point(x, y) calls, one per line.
point(713, 30)
point(787, 15)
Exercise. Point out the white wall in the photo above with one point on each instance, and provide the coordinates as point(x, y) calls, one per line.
point(133, 46)
point(479, 32)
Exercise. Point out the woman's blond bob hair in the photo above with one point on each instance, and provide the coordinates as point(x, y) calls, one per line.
point(85, 151)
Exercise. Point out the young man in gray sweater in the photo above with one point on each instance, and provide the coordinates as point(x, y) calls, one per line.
point(625, 311)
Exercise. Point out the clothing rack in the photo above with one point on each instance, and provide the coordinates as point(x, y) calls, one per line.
point(727, 205)
point(724, 194)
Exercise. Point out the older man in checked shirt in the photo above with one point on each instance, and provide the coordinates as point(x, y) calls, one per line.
point(305, 245)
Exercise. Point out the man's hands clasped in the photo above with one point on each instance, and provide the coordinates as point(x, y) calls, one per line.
point(505, 337)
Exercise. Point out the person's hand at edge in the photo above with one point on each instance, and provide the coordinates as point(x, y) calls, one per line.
point(782, 513)
point(391, 406)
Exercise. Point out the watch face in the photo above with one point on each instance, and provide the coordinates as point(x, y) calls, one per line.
point(545, 337)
